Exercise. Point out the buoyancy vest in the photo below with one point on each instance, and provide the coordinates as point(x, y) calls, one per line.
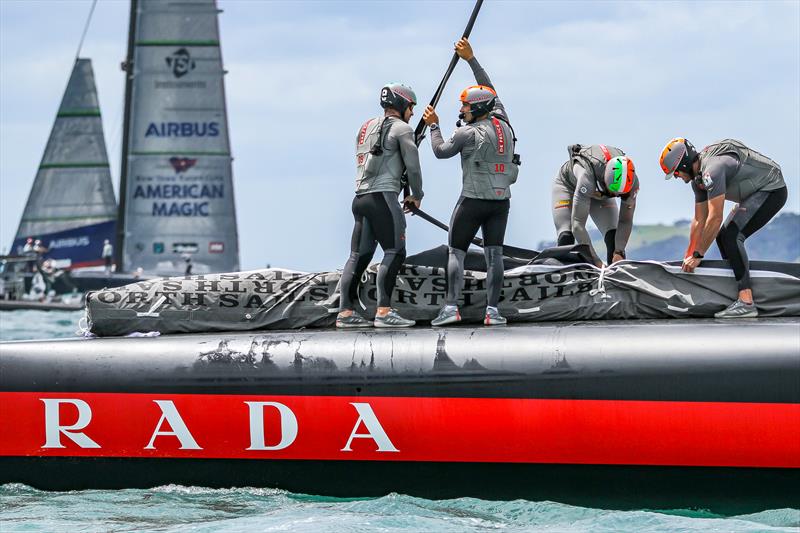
point(594, 158)
point(491, 168)
point(756, 172)
point(369, 152)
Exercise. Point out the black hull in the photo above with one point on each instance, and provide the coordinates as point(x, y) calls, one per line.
point(726, 491)
point(649, 414)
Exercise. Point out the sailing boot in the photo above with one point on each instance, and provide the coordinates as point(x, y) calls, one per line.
point(392, 319)
point(738, 309)
point(493, 317)
point(353, 321)
point(448, 315)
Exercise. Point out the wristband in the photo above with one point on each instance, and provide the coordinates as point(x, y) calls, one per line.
point(697, 255)
point(434, 126)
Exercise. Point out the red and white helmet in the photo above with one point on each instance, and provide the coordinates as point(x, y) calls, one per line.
point(480, 98)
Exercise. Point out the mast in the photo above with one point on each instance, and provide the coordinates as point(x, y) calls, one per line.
point(127, 66)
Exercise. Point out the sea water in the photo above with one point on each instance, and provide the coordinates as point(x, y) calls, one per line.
point(177, 508)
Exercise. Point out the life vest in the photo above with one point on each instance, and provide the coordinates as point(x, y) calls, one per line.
point(492, 167)
point(757, 172)
point(369, 152)
point(594, 158)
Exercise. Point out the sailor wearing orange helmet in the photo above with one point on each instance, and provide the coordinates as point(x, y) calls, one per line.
point(489, 167)
point(726, 170)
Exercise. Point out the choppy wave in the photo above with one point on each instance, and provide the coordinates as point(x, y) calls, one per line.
point(25, 325)
point(176, 508)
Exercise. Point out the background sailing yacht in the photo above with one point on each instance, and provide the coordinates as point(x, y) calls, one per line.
point(176, 189)
point(71, 206)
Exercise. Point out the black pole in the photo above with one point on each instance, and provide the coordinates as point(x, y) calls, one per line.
point(419, 132)
point(126, 123)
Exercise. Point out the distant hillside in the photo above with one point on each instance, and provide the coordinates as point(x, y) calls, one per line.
point(778, 241)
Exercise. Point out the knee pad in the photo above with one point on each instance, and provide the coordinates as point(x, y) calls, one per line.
point(565, 238)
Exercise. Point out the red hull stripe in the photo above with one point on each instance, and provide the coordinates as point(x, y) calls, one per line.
point(86, 264)
point(419, 429)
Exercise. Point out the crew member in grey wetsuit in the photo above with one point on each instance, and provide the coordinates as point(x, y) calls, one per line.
point(385, 148)
point(726, 170)
point(586, 185)
point(489, 167)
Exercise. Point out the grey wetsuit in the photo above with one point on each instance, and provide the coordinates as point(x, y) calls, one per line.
point(377, 213)
point(484, 199)
point(752, 180)
point(577, 195)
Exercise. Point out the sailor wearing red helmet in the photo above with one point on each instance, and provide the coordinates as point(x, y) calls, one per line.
point(726, 169)
point(489, 167)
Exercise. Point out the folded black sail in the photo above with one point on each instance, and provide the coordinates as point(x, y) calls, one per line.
point(282, 299)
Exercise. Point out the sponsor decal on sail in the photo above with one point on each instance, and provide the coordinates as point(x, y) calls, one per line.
point(182, 164)
point(183, 129)
point(70, 242)
point(181, 62)
point(185, 191)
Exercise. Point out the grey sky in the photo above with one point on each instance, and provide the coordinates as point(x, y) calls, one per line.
point(304, 75)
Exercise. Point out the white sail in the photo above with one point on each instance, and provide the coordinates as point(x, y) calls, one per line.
point(177, 185)
point(71, 206)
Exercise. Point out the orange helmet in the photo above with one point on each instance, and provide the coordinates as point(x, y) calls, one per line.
point(678, 154)
point(481, 99)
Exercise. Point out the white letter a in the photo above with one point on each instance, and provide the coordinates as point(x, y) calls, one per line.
point(170, 414)
point(374, 430)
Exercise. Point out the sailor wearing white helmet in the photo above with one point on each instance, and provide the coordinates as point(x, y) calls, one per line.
point(385, 148)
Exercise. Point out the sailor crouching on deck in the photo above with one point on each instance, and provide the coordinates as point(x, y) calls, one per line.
point(385, 148)
point(489, 166)
point(587, 185)
point(726, 170)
